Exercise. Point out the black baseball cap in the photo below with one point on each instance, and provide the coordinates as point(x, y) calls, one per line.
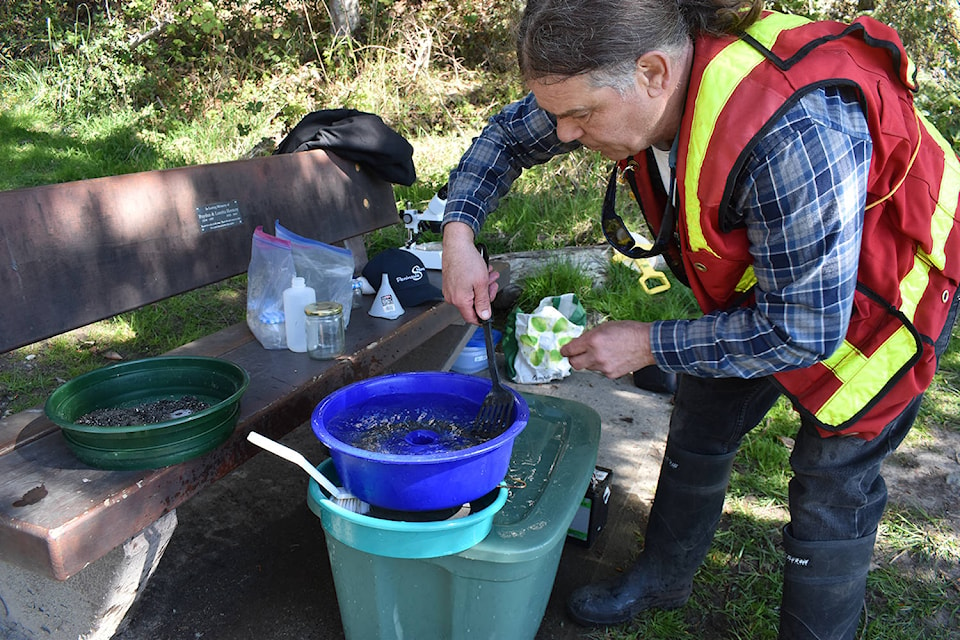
point(407, 276)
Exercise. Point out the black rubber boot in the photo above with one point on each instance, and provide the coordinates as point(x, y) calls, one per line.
point(684, 516)
point(823, 587)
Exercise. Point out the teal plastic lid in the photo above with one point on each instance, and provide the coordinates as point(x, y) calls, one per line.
point(551, 466)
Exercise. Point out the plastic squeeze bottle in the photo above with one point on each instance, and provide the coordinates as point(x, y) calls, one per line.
point(295, 298)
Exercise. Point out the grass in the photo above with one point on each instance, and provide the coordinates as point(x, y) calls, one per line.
point(29, 374)
point(36, 150)
point(619, 297)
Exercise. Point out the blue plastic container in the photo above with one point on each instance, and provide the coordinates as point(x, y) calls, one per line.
point(473, 357)
point(430, 477)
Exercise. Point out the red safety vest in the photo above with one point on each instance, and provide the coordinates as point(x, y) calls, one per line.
point(910, 255)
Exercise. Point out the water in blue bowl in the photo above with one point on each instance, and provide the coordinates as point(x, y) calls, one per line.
point(390, 425)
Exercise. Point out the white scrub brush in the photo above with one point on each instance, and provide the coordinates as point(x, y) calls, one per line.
point(339, 496)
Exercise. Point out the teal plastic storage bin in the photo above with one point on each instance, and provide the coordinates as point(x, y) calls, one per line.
point(498, 588)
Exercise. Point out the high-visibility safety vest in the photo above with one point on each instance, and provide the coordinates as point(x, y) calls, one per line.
point(910, 255)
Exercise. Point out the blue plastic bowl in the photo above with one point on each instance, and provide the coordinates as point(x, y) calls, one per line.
point(429, 475)
point(399, 539)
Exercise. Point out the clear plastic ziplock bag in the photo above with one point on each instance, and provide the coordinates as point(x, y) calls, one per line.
point(326, 268)
point(270, 272)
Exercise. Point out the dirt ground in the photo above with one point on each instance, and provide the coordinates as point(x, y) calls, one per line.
point(924, 474)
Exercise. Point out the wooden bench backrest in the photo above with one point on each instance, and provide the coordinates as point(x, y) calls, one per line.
point(78, 252)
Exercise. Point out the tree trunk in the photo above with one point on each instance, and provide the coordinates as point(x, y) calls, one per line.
point(345, 15)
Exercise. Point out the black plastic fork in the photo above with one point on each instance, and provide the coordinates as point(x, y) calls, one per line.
point(496, 412)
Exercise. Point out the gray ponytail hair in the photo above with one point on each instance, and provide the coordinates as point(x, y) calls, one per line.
point(604, 38)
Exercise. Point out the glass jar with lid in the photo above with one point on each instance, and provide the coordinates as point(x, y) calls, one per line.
point(325, 339)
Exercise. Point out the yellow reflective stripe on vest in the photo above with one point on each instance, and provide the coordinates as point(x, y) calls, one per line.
point(747, 280)
point(863, 378)
point(942, 222)
point(943, 218)
point(720, 78)
point(913, 285)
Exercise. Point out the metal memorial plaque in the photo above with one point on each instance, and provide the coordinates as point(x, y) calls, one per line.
point(220, 215)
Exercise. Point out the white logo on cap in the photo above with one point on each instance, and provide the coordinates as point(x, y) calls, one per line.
point(416, 275)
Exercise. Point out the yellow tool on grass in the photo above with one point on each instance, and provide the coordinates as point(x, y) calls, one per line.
point(651, 279)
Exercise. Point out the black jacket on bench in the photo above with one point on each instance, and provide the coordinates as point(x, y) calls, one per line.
point(357, 136)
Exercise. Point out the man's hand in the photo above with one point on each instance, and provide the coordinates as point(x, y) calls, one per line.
point(612, 348)
point(468, 283)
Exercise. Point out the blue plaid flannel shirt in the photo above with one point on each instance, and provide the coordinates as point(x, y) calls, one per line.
point(801, 196)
